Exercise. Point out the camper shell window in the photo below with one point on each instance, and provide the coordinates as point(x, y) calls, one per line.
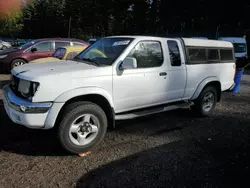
point(206, 55)
point(226, 54)
point(213, 55)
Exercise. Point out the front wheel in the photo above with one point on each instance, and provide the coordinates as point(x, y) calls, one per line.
point(83, 127)
point(204, 105)
point(17, 62)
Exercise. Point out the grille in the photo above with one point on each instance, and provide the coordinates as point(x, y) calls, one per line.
point(14, 84)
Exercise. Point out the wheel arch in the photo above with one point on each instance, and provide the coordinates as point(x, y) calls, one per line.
point(210, 81)
point(101, 98)
point(16, 59)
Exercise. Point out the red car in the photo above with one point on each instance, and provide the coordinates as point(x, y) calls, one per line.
point(32, 50)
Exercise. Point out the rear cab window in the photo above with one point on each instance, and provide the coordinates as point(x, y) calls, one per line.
point(174, 53)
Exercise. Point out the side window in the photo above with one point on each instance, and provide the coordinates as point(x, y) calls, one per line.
point(213, 54)
point(148, 54)
point(196, 55)
point(71, 55)
point(226, 54)
point(43, 47)
point(61, 44)
point(174, 53)
point(78, 44)
point(59, 53)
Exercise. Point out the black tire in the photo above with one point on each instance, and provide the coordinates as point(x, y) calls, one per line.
point(199, 102)
point(15, 63)
point(70, 113)
point(4, 48)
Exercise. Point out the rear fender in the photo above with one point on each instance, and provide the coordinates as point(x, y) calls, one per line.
point(203, 84)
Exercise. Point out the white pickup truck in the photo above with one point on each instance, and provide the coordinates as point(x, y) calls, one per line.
point(118, 78)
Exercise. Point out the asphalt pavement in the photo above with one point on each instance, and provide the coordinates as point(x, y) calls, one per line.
point(173, 149)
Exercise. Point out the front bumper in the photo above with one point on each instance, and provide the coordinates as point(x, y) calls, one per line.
point(20, 111)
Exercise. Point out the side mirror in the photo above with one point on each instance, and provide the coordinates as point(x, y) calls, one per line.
point(129, 63)
point(33, 50)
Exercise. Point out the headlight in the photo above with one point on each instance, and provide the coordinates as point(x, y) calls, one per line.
point(3, 56)
point(28, 88)
point(24, 86)
point(34, 88)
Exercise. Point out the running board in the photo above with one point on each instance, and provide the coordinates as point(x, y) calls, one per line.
point(136, 114)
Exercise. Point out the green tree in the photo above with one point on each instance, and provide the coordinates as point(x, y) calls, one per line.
point(12, 24)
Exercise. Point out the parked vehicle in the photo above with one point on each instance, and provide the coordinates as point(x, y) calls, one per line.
point(32, 50)
point(240, 45)
point(4, 45)
point(62, 53)
point(138, 76)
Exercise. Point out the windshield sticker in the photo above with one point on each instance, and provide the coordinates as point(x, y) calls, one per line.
point(124, 42)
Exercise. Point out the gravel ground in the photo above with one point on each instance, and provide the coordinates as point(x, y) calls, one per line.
point(171, 149)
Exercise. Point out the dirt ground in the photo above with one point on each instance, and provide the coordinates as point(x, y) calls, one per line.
point(172, 149)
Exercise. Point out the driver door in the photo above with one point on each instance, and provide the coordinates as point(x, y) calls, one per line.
point(145, 85)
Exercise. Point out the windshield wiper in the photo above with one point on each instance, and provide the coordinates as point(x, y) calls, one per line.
point(88, 61)
point(92, 61)
point(80, 60)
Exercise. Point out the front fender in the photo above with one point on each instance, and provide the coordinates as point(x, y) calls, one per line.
point(84, 91)
point(202, 84)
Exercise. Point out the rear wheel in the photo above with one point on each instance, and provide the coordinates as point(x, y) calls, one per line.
point(204, 105)
point(83, 127)
point(17, 62)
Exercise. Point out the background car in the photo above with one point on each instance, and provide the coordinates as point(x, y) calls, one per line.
point(4, 45)
point(62, 53)
point(33, 50)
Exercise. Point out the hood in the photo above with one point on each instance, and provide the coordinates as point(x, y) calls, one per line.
point(10, 50)
point(45, 60)
point(61, 68)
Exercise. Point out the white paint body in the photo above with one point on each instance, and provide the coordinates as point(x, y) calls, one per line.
point(125, 90)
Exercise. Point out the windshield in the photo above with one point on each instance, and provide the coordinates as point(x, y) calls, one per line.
point(105, 51)
point(26, 45)
point(59, 53)
point(240, 47)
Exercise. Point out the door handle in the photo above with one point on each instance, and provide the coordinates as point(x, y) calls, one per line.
point(163, 74)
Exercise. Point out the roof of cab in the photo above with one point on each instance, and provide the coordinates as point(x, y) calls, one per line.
point(187, 41)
